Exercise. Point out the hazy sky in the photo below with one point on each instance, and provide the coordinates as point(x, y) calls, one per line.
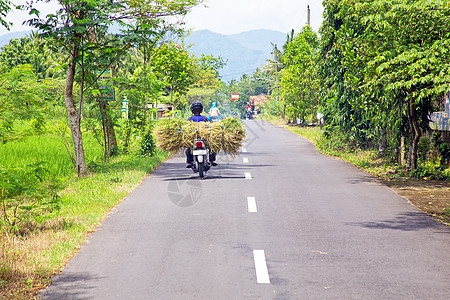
point(226, 16)
point(234, 16)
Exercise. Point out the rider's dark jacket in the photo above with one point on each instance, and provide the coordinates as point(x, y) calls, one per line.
point(189, 156)
point(198, 118)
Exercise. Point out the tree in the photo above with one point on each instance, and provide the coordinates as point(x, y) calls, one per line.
point(34, 50)
point(5, 7)
point(340, 74)
point(140, 89)
point(211, 63)
point(176, 67)
point(20, 99)
point(206, 80)
point(298, 78)
point(15, 53)
point(206, 73)
point(383, 65)
point(81, 25)
point(275, 65)
point(407, 46)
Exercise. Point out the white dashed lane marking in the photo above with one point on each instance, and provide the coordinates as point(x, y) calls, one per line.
point(252, 204)
point(262, 274)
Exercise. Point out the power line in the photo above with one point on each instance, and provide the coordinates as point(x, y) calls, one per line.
point(301, 23)
point(239, 73)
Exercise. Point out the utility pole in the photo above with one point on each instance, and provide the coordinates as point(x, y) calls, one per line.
point(276, 58)
point(309, 17)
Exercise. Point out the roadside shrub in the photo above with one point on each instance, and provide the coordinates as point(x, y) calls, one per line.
point(424, 148)
point(27, 195)
point(431, 170)
point(148, 144)
point(442, 148)
point(273, 107)
point(333, 140)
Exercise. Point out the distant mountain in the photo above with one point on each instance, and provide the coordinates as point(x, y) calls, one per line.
point(4, 39)
point(260, 39)
point(245, 51)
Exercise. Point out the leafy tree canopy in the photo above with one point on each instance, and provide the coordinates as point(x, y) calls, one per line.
point(5, 7)
point(174, 66)
point(21, 98)
point(298, 79)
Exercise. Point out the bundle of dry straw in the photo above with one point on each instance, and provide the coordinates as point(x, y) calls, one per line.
point(175, 134)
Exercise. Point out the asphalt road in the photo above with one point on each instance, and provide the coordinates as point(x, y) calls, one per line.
point(280, 221)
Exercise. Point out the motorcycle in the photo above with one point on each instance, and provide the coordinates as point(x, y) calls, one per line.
point(200, 152)
point(249, 115)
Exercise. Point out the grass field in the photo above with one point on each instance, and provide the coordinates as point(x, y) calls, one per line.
point(29, 259)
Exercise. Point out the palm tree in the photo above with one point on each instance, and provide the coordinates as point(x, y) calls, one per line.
point(273, 66)
point(289, 38)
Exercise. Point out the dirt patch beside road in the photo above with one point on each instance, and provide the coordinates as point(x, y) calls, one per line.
point(430, 196)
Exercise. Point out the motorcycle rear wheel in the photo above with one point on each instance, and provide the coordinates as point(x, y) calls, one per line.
point(201, 170)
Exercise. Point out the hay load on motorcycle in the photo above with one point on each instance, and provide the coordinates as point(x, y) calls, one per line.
point(201, 138)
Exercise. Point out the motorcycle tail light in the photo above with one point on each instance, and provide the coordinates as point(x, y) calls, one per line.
point(199, 145)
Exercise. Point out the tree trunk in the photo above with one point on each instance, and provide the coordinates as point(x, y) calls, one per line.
point(74, 120)
point(402, 151)
point(415, 133)
point(105, 139)
point(382, 142)
point(108, 128)
point(111, 133)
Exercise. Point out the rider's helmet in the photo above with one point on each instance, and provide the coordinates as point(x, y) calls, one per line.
point(196, 107)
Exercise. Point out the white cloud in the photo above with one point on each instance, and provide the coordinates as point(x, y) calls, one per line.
point(234, 16)
point(223, 16)
point(17, 17)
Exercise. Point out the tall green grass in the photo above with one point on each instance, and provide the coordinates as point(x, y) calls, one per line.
point(313, 134)
point(48, 149)
point(27, 262)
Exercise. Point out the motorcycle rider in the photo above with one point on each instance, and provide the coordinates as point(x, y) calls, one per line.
point(197, 109)
point(214, 112)
point(249, 111)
